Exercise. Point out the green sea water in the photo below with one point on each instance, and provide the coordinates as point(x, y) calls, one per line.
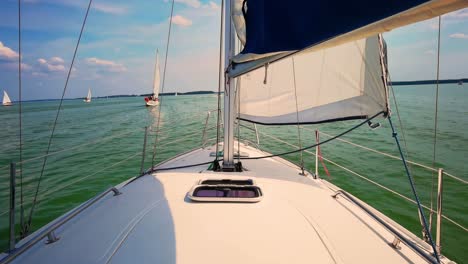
point(100, 144)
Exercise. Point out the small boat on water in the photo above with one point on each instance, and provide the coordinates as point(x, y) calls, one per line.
point(175, 94)
point(153, 100)
point(460, 82)
point(6, 99)
point(88, 97)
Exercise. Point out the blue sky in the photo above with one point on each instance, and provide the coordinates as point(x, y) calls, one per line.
point(116, 55)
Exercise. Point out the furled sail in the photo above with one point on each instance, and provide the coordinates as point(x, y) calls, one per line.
point(6, 98)
point(338, 83)
point(157, 77)
point(275, 28)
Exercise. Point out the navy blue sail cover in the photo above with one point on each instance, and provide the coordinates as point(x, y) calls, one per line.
point(279, 25)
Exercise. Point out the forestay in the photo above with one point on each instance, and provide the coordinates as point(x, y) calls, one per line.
point(339, 83)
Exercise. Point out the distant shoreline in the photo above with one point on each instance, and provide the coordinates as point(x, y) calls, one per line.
point(125, 95)
point(421, 82)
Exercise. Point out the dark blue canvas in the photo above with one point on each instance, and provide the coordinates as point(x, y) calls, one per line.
point(280, 25)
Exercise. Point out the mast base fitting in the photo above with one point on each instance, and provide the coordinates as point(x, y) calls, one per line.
point(236, 168)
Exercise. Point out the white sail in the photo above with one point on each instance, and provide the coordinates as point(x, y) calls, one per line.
point(6, 99)
point(88, 97)
point(157, 77)
point(339, 83)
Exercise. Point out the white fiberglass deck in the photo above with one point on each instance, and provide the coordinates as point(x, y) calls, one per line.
point(153, 221)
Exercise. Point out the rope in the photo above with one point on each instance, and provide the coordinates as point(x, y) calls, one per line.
point(162, 87)
point(20, 112)
point(317, 144)
point(56, 118)
point(413, 188)
point(288, 152)
point(297, 116)
point(365, 178)
point(436, 114)
point(220, 79)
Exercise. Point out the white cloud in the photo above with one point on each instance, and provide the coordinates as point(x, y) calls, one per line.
point(7, 53)
point(181, 21)
point(54, 64)
point(57, 60)
point(110, 9)
point(108, 65)
point(213, 5)
point(459, 36)
point(191, 3)
point(13, 66)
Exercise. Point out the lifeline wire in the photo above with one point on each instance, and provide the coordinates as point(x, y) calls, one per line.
point(284, 153)
point(320, 143)
point(56, 118)
point(162, 87)
point(413, 188)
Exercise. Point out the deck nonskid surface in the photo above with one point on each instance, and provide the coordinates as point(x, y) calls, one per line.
point(153, 221)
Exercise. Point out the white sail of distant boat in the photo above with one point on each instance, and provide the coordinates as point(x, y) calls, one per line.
point(88, 97)
point(6, 99)
point(175, 93)
point(154, 99)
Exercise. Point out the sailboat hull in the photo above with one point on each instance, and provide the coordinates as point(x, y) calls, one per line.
point(284, 225)
point(87, 100)
point(7, 104)
point(152, 103)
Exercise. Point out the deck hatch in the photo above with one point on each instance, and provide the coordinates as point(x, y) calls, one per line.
point(226, 190)
point(227, 181)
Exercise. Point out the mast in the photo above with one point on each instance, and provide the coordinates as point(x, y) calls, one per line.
point(229, 90)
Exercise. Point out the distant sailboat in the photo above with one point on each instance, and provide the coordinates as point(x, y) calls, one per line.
point(153, 100)
point(460, 82)
point(88, 97)
point(176, 94)
point(6, 99)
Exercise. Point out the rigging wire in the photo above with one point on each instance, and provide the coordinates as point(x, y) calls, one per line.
point(297, 117)
point(20, 112)
point(284, 153)
point(162, 87)
point(28, 226)
point(406, 149)
point(413, 188)
point(220, 80)
point(319, 143)
point(435, 126)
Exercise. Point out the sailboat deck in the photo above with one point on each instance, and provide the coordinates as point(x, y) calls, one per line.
point(153, 221)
